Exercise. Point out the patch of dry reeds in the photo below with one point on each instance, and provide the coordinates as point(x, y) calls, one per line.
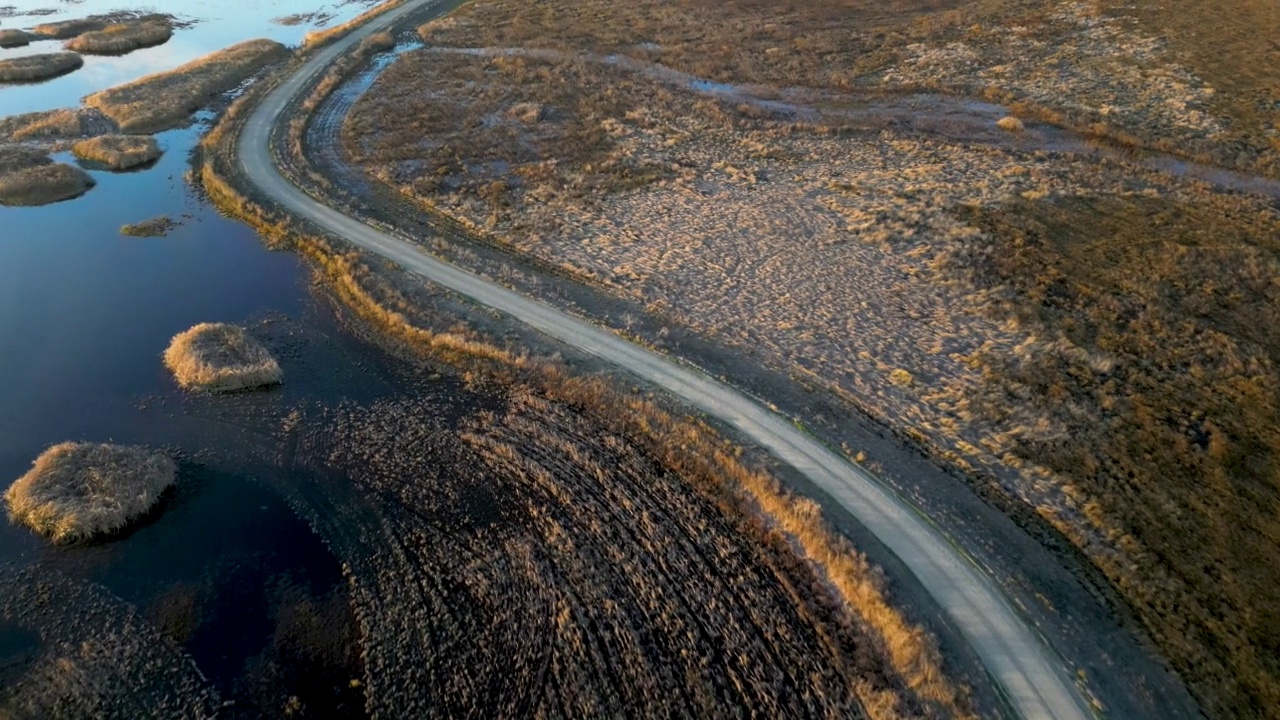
point(76, 491)
point(118, 152)
point(122, 38)
point(11, 38)
point(32, 68)
point(43, 184)
point(220, 358)
point(166, 99)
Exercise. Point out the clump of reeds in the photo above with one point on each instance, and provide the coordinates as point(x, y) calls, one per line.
point(154, 227)
point(42, 183)
point(1010, 123)
point(220, 358)
point(11, 38)
point(31, 68)
point(75, 491)
point(122, 37)
point(46, 124)
point(118, 152)
point(164, 100)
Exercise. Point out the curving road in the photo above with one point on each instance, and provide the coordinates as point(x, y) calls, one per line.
point(1032, 679)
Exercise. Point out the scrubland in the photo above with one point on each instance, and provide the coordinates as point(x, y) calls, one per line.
point(164, 100)
point(1055, 315)
point(76, 491)
point(32, 68)
point(713, 587)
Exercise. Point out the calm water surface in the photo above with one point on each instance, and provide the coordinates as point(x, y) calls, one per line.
point(85, 313)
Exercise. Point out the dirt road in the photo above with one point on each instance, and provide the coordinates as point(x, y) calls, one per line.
point(1034, 681)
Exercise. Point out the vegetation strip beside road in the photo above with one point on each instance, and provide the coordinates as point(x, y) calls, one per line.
point(1034, 682)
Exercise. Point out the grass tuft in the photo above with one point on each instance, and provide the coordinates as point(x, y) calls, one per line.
point(76, 491)
point(220, 358)
point(32, 68)
point(118, 152)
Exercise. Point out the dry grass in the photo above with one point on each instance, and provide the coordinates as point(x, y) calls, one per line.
point(76, 491)
point(153, 227)
point(122, 38)
point(54, 125)
point(220, 358)
point(688, 449)
point(43, 184)
point(10, 38)
point(1093, 335)
point(118, 152)
point(318, 38)
point(31, 68)
point(166, 99)
point(19, 157)
point(66, 29)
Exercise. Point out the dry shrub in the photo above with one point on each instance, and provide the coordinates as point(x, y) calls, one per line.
point(164, 100)
point(122, 38)
point(220, 358)
point(43, 184)
point(10, 38)
point(38, 67)
point(118, 152)
point(76, 491)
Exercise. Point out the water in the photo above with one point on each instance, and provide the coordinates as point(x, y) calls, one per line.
point(85, 313)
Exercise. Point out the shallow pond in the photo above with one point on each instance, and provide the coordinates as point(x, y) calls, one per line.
point(85, 313)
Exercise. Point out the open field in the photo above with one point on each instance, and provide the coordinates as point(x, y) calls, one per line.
point(122, 38)
point(118, 152)
point(899, 251)
point(32, 68)
point(77, 491)
point(166, 99)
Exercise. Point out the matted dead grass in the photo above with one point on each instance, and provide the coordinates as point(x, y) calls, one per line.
point(118, 152)
point(219, 357)
point(122, 38)
point(66, 29)
point(43, 184)
point(77, 491)
point(165, 100)
point(55, 125)
point(32, 68)
point(11, 38)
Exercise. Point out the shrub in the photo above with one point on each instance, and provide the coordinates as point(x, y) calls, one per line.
point(75, 491)
point(220, 358)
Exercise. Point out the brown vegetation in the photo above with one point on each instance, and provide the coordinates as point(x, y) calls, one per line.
point(1076, 328)
point(11, 38)
point(76, 491)
point(118, 152)
point(41, 183)
point(31, 68)
point(54, 125)
point(166, 99)
point(220, 358)
point(123, 38)
point(66, 29)
point(154, 227)
point(687, 449)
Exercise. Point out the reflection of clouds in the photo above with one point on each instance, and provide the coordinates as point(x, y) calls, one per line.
point(218, 23)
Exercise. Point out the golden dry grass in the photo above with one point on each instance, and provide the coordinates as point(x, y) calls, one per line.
point(31, 68)
point(122, 38)
point(118, 152)
point(19, 157)
point(76, 491)
point(166, 99)
point(43, 184)
point(54, 124)
point(64, 29)
point(220, 358)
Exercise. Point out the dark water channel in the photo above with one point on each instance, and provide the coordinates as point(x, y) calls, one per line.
point(225, 569)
